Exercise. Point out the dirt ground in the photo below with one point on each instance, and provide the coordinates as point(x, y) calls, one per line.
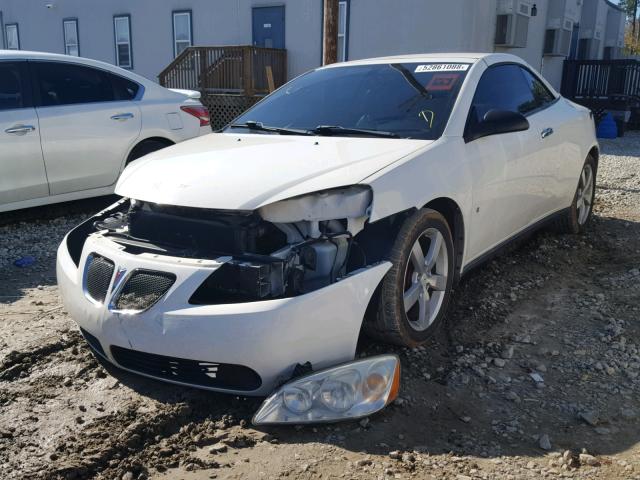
point(536, 375)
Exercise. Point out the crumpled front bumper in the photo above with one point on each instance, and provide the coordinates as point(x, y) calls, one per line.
point(174, 340)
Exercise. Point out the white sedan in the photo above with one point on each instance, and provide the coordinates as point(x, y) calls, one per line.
point(354, 197)
point(68, 125)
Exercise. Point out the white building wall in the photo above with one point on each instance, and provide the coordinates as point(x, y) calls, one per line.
point(393, 27)
point(215, 22)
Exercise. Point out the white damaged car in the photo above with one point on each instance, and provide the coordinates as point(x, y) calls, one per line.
point(351, 199)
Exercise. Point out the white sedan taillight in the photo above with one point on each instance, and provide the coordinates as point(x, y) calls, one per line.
point(198, 111)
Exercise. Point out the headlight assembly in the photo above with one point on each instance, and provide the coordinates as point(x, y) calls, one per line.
point(349, 391)
point(344, 202)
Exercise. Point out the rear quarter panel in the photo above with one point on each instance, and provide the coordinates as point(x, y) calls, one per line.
point(578, 138)
point(163, 118)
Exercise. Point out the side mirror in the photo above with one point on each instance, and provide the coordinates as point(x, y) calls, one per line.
point(495, 122)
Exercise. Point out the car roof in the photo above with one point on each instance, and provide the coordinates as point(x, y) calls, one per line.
point(30, 55)
point(444, 57)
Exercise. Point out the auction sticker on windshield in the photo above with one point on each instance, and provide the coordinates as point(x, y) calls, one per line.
point(442, 67)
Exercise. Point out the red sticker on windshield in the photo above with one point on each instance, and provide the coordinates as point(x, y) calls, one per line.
point(442, 81)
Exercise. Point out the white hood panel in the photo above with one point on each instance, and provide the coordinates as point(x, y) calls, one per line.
point(244, 172)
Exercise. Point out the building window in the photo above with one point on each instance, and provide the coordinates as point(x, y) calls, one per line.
point(343, 29)
point(71, 40)
point(182, 32)
point(1, 31)
point(122, 30)
point(13, 37)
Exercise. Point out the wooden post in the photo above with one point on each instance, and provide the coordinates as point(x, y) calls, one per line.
point(247, 71)
point(270, 82)
point(330, 32)
point(202, 53)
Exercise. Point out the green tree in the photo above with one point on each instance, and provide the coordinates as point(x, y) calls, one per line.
point(631, 9)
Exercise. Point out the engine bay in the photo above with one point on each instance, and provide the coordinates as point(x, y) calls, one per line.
point(262, 259)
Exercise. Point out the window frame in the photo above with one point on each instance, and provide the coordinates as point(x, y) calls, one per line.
point(345, 34)
point(34, 82)
point(73, 20)
point(130, 43)
point(174, 13)
point(25, 82)
point(530, 112)
point(6, 34)
point(2, 39)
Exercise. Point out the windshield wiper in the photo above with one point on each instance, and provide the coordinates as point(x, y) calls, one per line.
point(337, 129)
point(253, 125)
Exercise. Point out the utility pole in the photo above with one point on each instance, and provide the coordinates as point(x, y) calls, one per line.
point(330, 32)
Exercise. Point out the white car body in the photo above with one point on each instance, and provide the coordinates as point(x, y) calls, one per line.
point(55, 153)
point(502, 186)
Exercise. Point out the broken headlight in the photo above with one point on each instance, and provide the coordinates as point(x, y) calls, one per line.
point(349, 391)
point(350, 203)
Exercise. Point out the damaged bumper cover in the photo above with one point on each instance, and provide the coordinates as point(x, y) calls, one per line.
point(245, 348)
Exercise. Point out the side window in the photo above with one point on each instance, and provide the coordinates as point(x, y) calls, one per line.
point(11, 87)
point(502, 87)
point(67, 84)
point(541, 94)
point(123, 88)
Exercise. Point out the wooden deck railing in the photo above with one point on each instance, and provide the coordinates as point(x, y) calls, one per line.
point(244, 70)
point(600, 79)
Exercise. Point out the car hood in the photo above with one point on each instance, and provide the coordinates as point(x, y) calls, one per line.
point(244, 172)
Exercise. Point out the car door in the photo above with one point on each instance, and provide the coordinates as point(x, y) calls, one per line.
point(22, 171)
point(559, 159)
point(88, 123)
point(546, 119)
point(508, 176)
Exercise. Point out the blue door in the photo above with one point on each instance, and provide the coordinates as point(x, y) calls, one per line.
point(268, 27)
point(573, 49)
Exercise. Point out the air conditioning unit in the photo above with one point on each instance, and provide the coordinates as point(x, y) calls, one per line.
point(512, 23)
point(557, 41)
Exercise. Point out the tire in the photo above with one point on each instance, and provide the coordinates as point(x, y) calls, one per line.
point(392, 322)
point(581, 209)
point(144, 148)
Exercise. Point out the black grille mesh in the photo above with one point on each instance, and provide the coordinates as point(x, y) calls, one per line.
point(98, 277)
point(143, 289)
point(206, 374)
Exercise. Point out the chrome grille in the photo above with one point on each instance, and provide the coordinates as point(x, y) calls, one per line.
point(142, 290)
point(98, 273)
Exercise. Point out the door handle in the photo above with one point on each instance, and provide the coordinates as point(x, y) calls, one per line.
point(20, 129)
point(546, 132)
point(122, 116)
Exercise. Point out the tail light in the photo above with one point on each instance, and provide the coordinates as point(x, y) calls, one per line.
point(198, 111)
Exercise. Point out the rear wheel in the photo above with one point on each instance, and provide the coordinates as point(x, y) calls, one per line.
point(579, 214)
point(415, 292)
point(145, 148)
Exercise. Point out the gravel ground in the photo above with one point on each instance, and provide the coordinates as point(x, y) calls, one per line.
point(536, 375)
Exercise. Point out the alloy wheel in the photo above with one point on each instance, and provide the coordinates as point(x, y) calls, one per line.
point(585, 194)
point(425, 279)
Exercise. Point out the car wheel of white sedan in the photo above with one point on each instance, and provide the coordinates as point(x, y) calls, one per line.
point(580, 211)
point(415, 293)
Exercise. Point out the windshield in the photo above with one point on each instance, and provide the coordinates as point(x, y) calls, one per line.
point(407, 100)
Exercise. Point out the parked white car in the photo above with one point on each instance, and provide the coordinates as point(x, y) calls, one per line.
point(68, 125)
point(241, 259)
